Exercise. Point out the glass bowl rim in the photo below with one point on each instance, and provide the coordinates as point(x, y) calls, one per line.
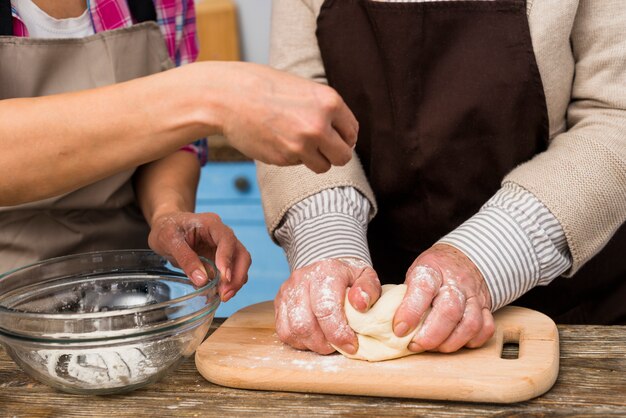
point(121, 312)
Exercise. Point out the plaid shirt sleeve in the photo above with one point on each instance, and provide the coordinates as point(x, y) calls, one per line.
point(177, 19)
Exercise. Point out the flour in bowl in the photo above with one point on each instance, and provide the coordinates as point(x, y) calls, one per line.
point(100, 367)
point(103, 368)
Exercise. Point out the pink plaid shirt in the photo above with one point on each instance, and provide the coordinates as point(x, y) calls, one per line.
point(177, 20)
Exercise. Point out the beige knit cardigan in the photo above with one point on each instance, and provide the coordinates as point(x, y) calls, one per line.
point(580, 46)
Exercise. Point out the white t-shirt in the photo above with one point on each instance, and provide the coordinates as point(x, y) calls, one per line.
point(42, 25)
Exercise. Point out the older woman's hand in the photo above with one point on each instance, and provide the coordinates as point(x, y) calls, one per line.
point(309, 306)
point(183, 237)
point(444, 279)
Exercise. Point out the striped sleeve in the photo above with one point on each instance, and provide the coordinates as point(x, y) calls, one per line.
point(329, 224)
point(515, 242)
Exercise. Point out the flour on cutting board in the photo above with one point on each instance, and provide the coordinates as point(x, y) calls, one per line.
point(279, 355)
point(304, 360)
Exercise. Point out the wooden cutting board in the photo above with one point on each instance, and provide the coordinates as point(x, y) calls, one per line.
point(245, 352)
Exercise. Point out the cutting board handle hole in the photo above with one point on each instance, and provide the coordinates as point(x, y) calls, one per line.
point(510, 351)
point(510, 344)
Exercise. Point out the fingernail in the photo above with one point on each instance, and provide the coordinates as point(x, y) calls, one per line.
point(415, 347)
point(421, 333)
point(228, 295)
point(366, 298)
point(348, 348)
point(401, 329)
point(227, 275)
point(198, 278)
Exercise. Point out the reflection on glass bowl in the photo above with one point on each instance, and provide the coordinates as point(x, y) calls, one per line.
point(103, 322)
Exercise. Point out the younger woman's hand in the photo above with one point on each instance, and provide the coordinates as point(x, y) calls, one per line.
point(281, 119)
point(183, 237)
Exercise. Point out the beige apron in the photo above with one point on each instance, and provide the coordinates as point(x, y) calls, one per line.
point(104, 215)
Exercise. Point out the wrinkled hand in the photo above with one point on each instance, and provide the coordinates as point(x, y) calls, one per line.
point(309, 306)
point(444, 278)
point(183, 237)
point(282, 119)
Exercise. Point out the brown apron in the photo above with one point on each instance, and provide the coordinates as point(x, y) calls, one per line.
point(449, 99)
point(101, 216)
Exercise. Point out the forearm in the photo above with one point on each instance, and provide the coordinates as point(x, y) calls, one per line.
point(581, 178)
point(168, 185)
point(55, 144)
point(166, 190)
point(329, 224)
point(515, 242)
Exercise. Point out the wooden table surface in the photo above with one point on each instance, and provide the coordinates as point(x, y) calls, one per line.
point(592, 381)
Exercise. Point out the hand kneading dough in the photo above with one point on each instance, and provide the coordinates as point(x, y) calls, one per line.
point(374, 330)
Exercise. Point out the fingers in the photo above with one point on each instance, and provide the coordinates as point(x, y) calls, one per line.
point(327, 298)
point(470, 326)
point(296, 324)
point(283, 329)
point(231, 259)
point(184, 237)
point(423, 284)
point(334, 149)
point(309, 308)
point(486, 332)
point(446, 313)
point(226, 242)
point(304, 325)
point(337, 142)
point(345, 123)
point(315, 161)
point(189, 261)
point(239, 276)
point(283, 119)
point(365, 290)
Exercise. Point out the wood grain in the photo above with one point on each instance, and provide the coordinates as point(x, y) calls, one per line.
point(246, 353)
point(591, 382)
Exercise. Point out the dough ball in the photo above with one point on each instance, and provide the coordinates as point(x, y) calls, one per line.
point(377, 342)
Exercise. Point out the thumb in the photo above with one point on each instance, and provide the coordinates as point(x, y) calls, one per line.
point(365, 290)
point(423, 284)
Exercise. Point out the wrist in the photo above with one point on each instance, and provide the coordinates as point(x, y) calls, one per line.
point(167, 207)
point(200, 105)
point(327, 236)
point(162, 212)
point(357, 262)
point(223, 90)
point(329, 224)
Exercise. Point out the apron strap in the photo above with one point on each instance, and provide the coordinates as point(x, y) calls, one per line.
point(142, 10)
point(6, 18)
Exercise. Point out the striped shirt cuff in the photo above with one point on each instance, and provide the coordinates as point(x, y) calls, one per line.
point(329, 224)
point(515, 242)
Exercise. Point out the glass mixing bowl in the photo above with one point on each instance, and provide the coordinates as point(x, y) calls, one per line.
point(103, 322)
